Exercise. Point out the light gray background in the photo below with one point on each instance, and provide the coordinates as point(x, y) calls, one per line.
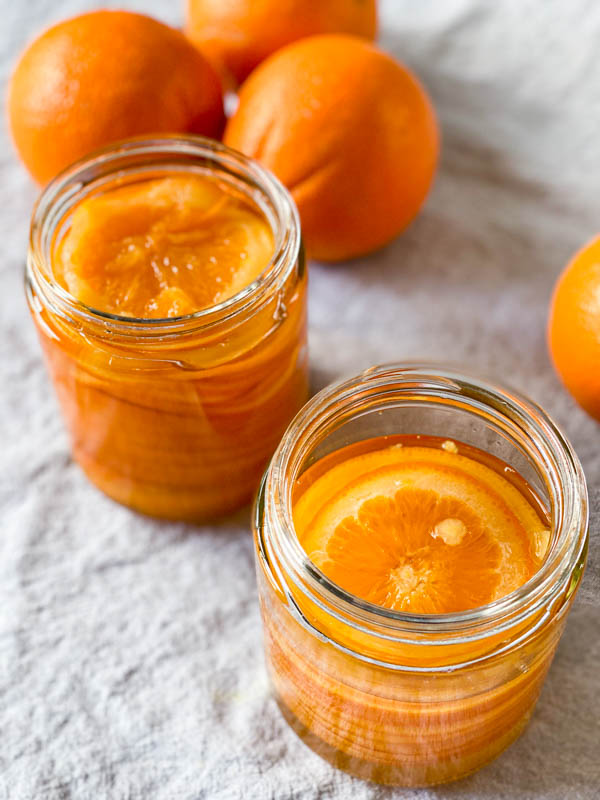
point(130, 651)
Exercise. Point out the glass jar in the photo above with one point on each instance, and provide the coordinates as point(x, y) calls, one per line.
point(402, 698)
point(174, 417)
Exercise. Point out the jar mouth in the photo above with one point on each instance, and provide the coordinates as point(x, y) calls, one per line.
point(168, 153)
point(422, 382)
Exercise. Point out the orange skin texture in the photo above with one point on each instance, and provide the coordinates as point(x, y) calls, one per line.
point(242, 33)
point(105, 76)
point(349, 131)
point(574, 327)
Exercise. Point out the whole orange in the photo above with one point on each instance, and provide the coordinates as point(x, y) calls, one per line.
point(352, 134)
point(241, 33)
point(104, 76)
point(574, 327)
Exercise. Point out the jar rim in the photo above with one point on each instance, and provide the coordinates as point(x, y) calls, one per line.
point(569, 512)
point(125, 157)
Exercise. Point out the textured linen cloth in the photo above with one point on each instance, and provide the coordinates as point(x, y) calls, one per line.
point(131, 660)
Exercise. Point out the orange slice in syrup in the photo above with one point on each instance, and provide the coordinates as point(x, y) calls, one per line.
point(163, 248)
point(420, 530)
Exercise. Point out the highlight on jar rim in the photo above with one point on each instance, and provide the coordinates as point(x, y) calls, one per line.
point(386, 490)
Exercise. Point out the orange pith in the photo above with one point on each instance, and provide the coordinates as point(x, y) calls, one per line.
point(163, 248)
point(420, 530)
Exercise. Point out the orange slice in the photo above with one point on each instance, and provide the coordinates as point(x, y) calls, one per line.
point(420, 530)
point(163, 248)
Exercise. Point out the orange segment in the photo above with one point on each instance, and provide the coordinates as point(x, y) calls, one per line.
point(163, 248)
point(420, 530)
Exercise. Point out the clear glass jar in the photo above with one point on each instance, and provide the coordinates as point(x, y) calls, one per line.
point(178, 417)
point(400, 698)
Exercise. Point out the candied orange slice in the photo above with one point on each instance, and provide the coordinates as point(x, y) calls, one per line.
point(163, 248)
point(420, 530)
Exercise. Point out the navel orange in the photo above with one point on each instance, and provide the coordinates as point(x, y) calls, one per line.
point(103, 76)
point(241, 33)
point(574, 327)
point(352, 134)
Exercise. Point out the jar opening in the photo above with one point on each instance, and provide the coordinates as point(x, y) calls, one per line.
point(407, 394)
point(141, 159)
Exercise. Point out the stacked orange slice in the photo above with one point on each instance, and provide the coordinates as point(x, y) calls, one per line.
point(420, 530)
point(163, 248)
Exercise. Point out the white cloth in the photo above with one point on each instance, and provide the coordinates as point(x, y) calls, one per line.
point(130, 651)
